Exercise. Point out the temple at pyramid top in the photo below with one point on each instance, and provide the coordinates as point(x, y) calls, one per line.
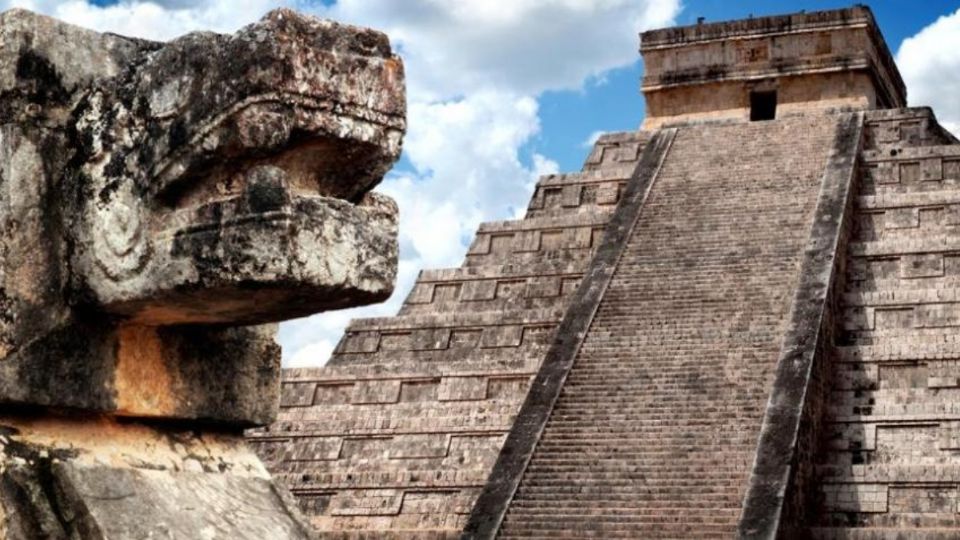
point(764, 67)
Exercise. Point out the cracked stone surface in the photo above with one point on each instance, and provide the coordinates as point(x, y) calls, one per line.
point(162, 206)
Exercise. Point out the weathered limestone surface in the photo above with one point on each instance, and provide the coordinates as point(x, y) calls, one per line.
point(202, 181)
point(819, 60)
point(161, 205)
point(888, 461)
point(97, 478)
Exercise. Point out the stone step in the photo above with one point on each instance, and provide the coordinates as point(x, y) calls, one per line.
point(571, 193)
point(561, 239)
point(416, 365)
point(919, 199)
point(866, 283)
point(558, 528)
point(900, 297)
point(901, 247)
point(406, 417)
point(493, 288)
point(437, 332)
point(387, 534)
point(912, 153)
point(896, 129)
point(400, 477)
point(617, 150)
point(944, 473)
point(898, 351)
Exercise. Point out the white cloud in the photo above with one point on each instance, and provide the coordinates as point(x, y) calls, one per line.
point(526, 46)
point(930, 64)
point(474, 71)
point(591, 139)
point(158, 20)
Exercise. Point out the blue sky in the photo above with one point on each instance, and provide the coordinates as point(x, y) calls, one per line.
point(569, 117)
point(502, 91)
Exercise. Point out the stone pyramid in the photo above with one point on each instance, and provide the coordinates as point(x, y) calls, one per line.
point(738, 321)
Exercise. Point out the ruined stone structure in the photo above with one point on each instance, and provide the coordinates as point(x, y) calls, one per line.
point(160, 205)
point(739, 321)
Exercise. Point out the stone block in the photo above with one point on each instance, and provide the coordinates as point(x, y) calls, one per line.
point(886, 172)
point(502, 244)
point(463, 389)
point(430, 339)
point(396, 340)
point(553, 240)
point(921, 266)
point(571, 195)
point(367, 502)
point(528, 241)
point(511, 288)
point(608, 193)
point(479, 290)
point(480, 245)
point(937, 315)
point(501, 336)
point(298, 394)
point(909, 172)
point(931, 170)
point(902, 218)
point(360, 342)
point(418, 446)
point(862, 498)
point(333, 394)
point(375, 391)
point(951, 169)
point(929, 500)
point(129, 503)
point(943, 382)
point(542, 287)
point(949, 435)
point(313, 449)
point(422, 293)
point(951, 214)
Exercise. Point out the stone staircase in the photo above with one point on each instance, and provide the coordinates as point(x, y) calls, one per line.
point(655, 429)
point(396, 436)
point(891, 457)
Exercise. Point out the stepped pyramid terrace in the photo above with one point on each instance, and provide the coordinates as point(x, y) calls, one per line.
point(739, 320)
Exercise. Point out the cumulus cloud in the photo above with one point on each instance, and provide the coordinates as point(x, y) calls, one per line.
point(526, 46)
point(591, 139)
point(158, 20)
point(474, 71)
point(930, 64)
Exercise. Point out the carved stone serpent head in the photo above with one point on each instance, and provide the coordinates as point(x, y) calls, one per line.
point(154, 191)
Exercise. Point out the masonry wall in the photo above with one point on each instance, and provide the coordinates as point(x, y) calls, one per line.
point(656, 426)
point(731, 99)
point(817, 60)
point(890, 458)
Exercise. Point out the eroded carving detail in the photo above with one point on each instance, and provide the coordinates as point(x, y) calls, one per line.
point(162, 204)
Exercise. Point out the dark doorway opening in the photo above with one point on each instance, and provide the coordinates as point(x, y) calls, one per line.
point(763, 105)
